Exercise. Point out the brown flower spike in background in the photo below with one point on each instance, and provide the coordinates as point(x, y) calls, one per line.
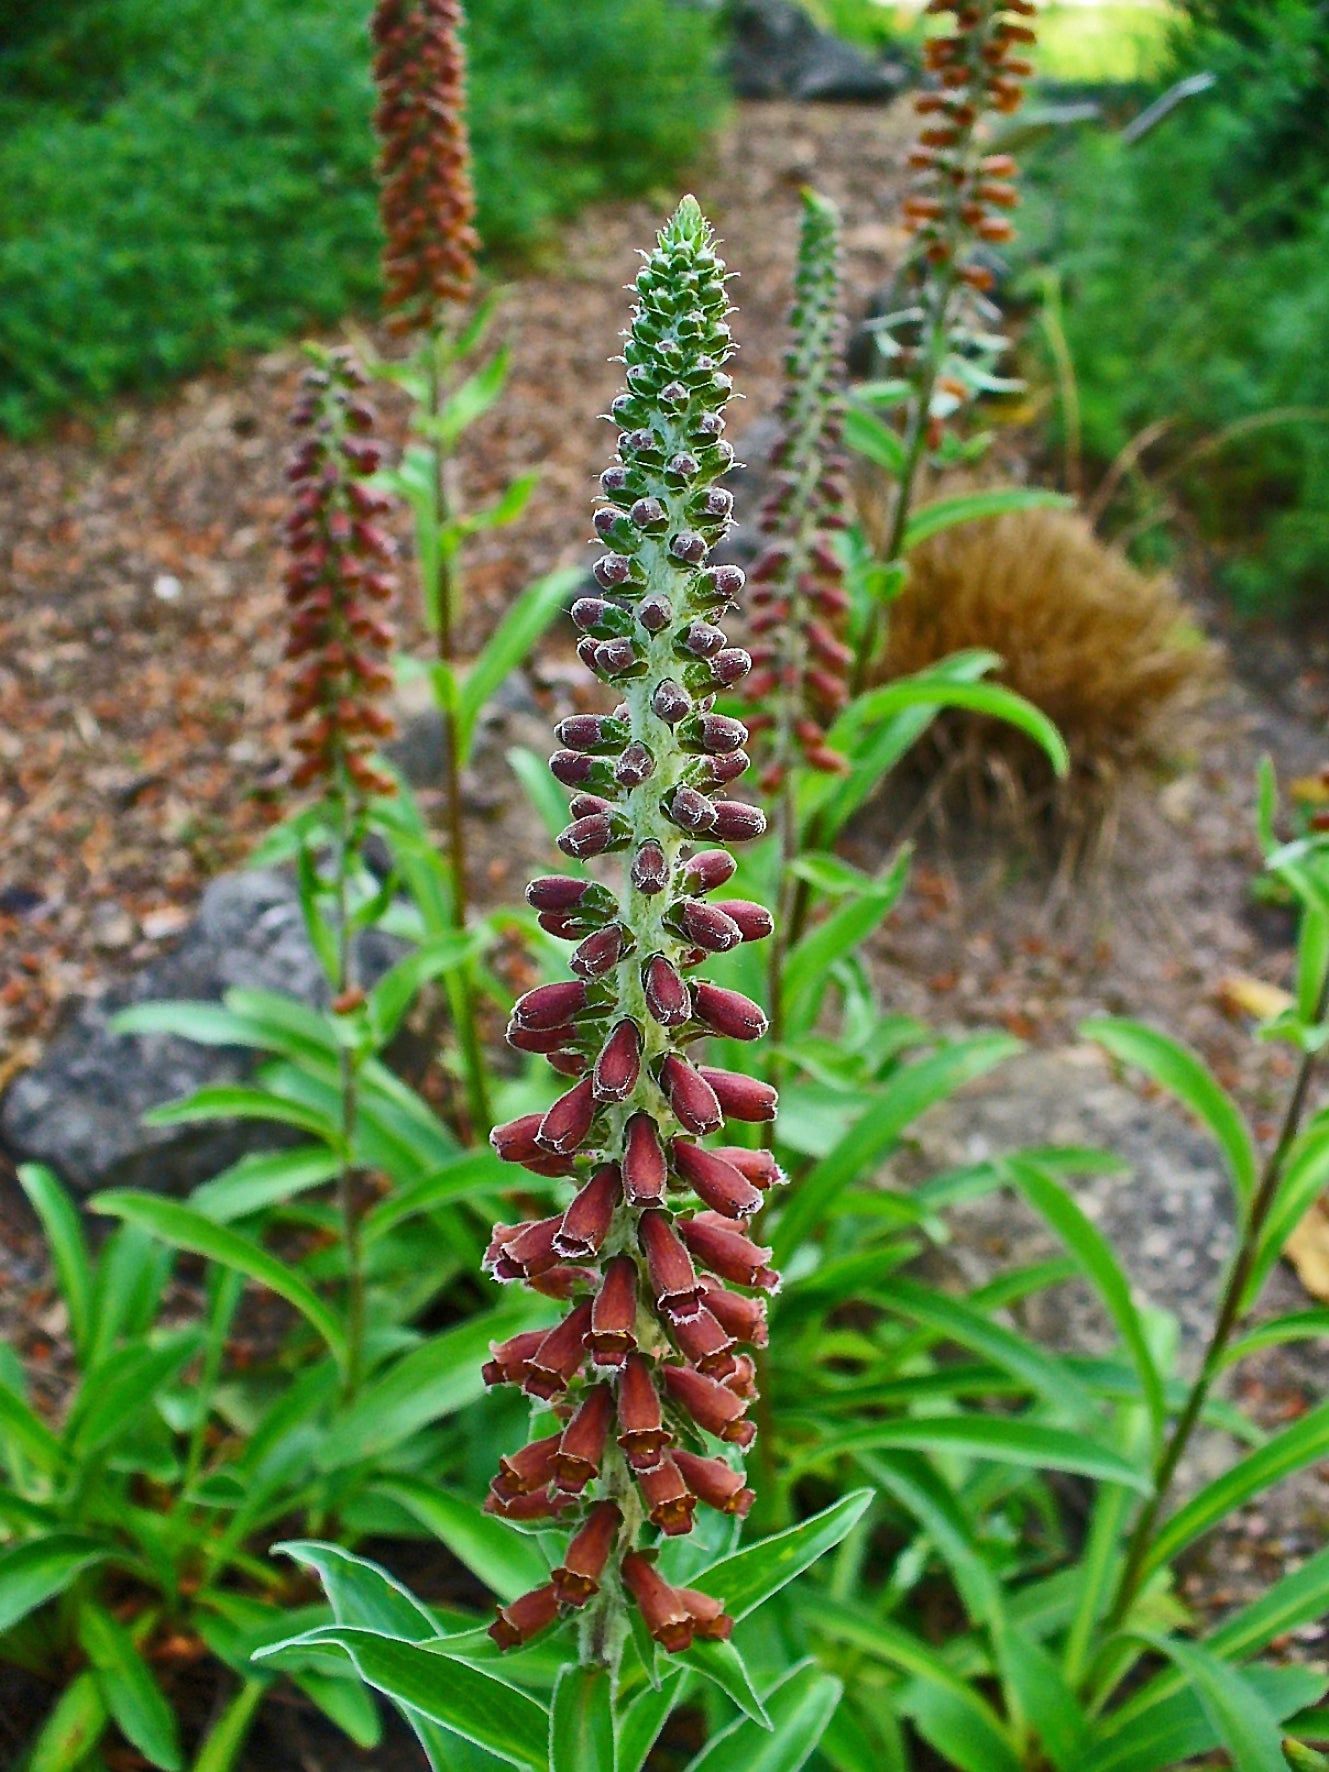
point(959, 206)
point(426, 195)
point(338, 581)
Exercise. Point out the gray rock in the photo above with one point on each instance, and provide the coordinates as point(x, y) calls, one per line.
point(80, 1109)
point(777, 51)
point(1167, 1213)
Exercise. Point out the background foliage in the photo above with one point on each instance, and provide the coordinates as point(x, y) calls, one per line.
point(1194, 265)
point(181, 180)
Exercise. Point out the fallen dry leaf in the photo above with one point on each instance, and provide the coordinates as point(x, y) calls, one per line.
point(1242, 995)
point(1308, 1251)
point(1310, 790)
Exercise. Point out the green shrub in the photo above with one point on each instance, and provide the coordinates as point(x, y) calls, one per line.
point(184, 180)
point(1197, 276)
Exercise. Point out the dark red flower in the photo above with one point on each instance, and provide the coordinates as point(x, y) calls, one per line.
point(525, 1618)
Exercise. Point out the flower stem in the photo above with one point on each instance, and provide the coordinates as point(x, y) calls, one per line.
point(1230, 1314)
point(915, 446)
point(349, 1083)
point(462, 991)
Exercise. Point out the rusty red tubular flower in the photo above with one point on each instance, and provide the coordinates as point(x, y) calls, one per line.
point(427, 198)
point(338, 581)
point(800, 662)
point(646, 1383)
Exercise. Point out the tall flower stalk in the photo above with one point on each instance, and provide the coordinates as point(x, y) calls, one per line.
point(801, 663)
point(643, 1390)
point(338, 580)
point(427, 202)
point(943, 339)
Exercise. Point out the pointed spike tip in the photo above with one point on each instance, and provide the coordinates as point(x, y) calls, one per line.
point(687, 226)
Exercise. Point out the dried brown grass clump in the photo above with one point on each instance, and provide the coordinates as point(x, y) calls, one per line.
point(1108, 653)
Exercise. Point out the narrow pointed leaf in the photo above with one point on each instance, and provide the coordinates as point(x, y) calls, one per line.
point(1297, 1446)
point(641, 1722)
point(983, 1436)
point(800, 1706)
point(68, 1247)
point(27, 1433)
point(512, 643)
point(426, 1384)
point(990, 699)
point(1098, 1262)
point(943, 1702)
point(747, 1579)
point(867, 436)
point(1243, 1722)
point(507, 1562)
point(32, 1573)
point(184, 1228)
point(263, 1179)
point(226, 1739)
point(722, 1663)
point(1182, 1073)
point(946, 513)
point(581, 1722)
point(452, 1693)
point(132, 1696)
point(73, 1729)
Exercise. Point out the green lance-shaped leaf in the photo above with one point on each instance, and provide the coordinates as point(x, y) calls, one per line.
point(511, 644)
point(73, 1729)
point(749, 1577)
point(225, 1741)
point(426, 1384)
point(909, 1092)
point(23, 1434)
point(1098, 1262)
point(800, 1706)
point(982, 1436)
point(1177, 1069)
point(1297, 1446)
point(581, 1722)
point(723, 1664)
point(876, 442)
point(948, 1708)
point(68, 1247)
point(507, 1563)
point(132, 1696)
point(184, 1228)
point(362, 1594)
point(927, 690)
point(1244, 1723)
point(32, 1573)
point(946, 513)
point(456, 1695)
